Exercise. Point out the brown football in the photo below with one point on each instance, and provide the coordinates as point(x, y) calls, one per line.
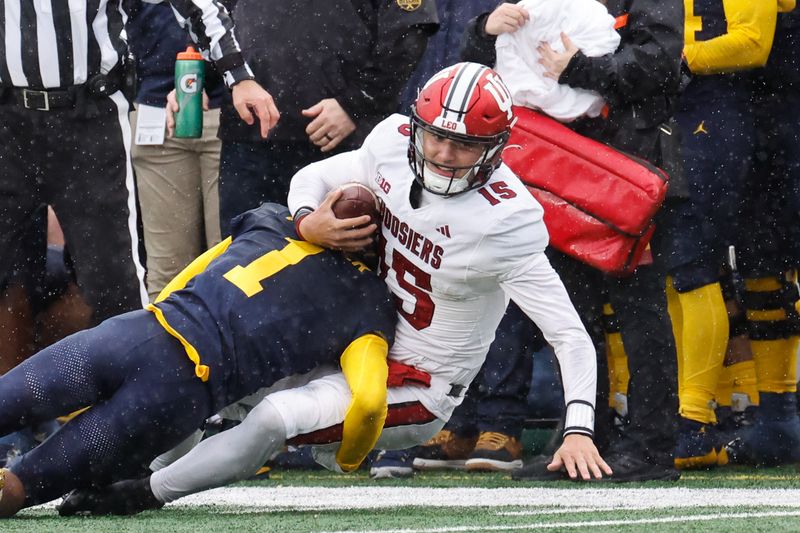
point(12, 494)
point(356, 200)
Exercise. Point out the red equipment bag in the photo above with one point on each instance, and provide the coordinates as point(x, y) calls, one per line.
point(599, 203)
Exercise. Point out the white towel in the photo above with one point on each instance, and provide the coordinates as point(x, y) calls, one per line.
point(587, 24)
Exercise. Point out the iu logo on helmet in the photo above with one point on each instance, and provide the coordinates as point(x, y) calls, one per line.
point(498, 90)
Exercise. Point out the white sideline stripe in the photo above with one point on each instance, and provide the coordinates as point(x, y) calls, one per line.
point(374, 497)
point(560, 510)
point(265, 498)
point(588, 523)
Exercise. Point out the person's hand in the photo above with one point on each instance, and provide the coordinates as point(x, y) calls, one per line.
point(579, 456)
point(506, 18)
point(250, 99)
point(173, 107)
point(321, 227)
point(331, 124)
point(554, 62)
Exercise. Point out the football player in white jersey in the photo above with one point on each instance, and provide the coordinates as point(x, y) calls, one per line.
point(459, 235)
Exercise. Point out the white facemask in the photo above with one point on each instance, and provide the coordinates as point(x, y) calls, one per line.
point(439, 183)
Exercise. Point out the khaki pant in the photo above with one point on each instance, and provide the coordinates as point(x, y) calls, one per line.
point(178, 194)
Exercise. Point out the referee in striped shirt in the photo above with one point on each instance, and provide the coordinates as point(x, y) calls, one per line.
point(65, 141)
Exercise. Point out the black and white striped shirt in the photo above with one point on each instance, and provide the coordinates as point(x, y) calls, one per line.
point(47, 44)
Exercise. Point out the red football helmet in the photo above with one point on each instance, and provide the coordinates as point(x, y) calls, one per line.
point(467, 103)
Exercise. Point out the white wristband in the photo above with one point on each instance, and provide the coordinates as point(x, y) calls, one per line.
point(580, 418)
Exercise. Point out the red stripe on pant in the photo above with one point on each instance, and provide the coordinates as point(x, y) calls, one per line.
point(400, 414)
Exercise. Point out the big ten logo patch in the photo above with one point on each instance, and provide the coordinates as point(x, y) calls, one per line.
point(188, 83)
point(384, 185)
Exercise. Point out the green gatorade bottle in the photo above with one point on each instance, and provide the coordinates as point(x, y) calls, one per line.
point(189, 80)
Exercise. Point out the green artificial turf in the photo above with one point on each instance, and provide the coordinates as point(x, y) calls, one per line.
point(474, 517)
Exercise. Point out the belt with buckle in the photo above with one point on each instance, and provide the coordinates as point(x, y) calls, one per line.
point(41, 100)
point(97, 86)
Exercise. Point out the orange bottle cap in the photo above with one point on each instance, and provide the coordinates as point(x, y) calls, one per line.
point(190, 53)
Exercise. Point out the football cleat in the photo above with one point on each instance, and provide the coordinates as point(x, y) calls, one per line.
point(393, 464)
point(732, 424)
point(295, 459)
point(626, 469)
point(629, 469)
point(536, 470)
point(127, 497)
point(495, 452)
point(774, 437)
point(445, 451)
point(695, 448)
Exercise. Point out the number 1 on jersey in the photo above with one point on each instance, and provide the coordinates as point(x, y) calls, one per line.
point(248, 278)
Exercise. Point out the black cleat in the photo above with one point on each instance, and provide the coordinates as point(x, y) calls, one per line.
point(629, 468)
point(127, 497)
point(774, 437)
point(626, 468)
point(536, 470)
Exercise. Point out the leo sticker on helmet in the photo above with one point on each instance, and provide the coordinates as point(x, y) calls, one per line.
point(409, 5)
point(188, 83)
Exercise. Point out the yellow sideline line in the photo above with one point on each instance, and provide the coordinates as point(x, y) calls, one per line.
point(740, 477)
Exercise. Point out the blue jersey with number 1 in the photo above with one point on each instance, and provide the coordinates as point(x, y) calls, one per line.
point(271, 305)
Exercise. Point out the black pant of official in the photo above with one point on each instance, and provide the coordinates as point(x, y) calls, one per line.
point(76, 159)
point(639, 303)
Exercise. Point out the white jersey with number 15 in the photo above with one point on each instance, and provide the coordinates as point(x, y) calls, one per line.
point(453, 262)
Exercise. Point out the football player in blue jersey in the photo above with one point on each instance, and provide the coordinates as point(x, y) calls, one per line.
point(724, 41)
point(260, 306)
point(768, 249)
